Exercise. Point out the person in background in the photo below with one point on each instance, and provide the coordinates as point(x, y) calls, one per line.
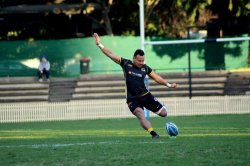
point(43, 69)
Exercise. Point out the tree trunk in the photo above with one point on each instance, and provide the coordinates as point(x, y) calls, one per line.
point(106, 19)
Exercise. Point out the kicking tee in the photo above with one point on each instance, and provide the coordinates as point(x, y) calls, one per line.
point(134, 78)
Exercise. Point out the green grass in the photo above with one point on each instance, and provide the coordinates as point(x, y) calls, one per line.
point(203, 140)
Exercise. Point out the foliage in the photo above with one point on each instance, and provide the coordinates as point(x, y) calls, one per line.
point(170, 18)
point(165, 18)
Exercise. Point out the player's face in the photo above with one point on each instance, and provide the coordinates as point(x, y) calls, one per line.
point(138, 61)
point(44, 60)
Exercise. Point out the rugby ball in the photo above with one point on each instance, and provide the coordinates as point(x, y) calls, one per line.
point(171, 129)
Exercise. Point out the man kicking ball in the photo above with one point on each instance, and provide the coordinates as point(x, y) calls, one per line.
point(138, 95)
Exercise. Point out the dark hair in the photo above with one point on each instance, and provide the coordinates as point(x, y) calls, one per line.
point(43, 56)
point(139, 52)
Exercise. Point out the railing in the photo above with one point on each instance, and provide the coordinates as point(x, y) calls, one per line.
point(116, 108)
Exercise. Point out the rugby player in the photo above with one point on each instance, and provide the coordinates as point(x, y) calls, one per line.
point(138, 95)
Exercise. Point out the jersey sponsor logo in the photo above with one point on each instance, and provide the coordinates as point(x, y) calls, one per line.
point(135, 74)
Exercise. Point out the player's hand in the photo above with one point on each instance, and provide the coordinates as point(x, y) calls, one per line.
point(173, 85)
point(97, 39)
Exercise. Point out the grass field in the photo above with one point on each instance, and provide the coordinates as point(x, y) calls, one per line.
point(203, 140)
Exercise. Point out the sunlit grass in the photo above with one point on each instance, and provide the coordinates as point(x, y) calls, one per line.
point(37, 134)
point(184, 132)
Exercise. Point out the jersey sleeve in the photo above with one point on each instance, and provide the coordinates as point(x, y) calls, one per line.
point(123, 61)
point(149, 70)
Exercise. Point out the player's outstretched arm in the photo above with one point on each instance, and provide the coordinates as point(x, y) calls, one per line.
point(157, 78)
point(105, 50)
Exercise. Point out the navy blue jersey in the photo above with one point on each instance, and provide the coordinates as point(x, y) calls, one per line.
point(134, 78)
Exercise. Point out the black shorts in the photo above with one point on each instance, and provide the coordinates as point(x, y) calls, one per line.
point(148, 101)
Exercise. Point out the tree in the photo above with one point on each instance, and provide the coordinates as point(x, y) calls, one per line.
point(104, 19)
point(165, 18)
point(220, 18)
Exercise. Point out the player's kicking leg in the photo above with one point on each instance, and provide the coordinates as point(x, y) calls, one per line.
point(139, 113)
